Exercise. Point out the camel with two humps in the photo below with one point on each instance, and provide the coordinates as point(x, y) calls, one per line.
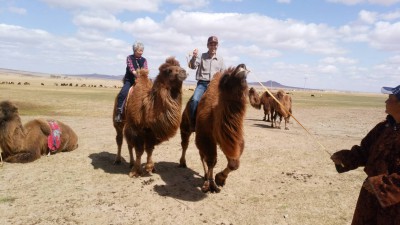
point(143, 81)
point(283, 109)
point(153, 114)
point(219, 122)
point(27, 143)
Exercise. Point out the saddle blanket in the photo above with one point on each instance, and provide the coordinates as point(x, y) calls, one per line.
point(54, 139)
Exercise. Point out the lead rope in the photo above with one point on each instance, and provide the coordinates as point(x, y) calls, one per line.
point(323, 147)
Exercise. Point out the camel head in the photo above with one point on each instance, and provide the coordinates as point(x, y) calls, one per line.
point(171, 74)
point(233, 80)
point(8, 110)
point(280, 94)
point(254, 98)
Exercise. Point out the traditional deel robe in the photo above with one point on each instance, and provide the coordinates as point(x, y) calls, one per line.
point(379, 153)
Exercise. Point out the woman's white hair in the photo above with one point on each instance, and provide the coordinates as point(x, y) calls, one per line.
point(137, 45)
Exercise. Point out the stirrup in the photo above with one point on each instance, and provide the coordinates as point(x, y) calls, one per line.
point(118, 118)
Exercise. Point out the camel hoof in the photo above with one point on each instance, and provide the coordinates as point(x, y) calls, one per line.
point(206, 187)
point(210, 186)
point(134, 174)
point(286, 128)
point(150, 169)
point(220, 179)
point(182, 165)
point(117, 162)
point(214, 187)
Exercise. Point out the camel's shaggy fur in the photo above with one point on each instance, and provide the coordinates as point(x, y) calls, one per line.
point(265, 101)
point(153, 113)
point(219, 121)
point(143, 79)
point(26, 143)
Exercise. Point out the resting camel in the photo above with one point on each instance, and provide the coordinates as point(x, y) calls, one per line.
point(282, 110)
point(219, 121)
point(153, 114)
point(265, 101)
point(145, 82)
point(26, 143)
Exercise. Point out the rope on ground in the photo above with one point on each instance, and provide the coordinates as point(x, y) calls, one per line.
point(323, 147)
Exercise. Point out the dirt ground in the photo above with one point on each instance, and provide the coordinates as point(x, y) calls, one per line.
point(285, 177)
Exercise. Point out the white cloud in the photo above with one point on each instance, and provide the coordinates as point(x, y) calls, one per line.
point(374, 2)
point(262, 30)
point(17, 10)
point(367, 17)
point(97, 20)
point(386, 36)
point(283, 1)
point(338, 60)
point(108, 5)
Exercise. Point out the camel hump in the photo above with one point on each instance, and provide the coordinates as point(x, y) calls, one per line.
point(143, 72)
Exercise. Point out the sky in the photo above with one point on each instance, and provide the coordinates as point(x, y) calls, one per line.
point(349, 45)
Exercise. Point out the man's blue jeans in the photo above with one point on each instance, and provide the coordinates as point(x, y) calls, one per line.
point(198, 92)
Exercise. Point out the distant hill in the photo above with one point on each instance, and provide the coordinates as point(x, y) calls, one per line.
point(99, 76)
point(268, 84)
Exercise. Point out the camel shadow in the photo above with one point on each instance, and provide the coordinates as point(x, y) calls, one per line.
point(105, 161)
point(263, 126)
point(180, 183)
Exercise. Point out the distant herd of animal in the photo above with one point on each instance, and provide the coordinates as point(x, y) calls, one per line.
point(153, 116)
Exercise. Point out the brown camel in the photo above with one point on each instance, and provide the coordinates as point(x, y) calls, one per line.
point(26, 143)
point(265, 101)
point(219, 121)
point(143, 79)
point(153, 114)
point(282, 110)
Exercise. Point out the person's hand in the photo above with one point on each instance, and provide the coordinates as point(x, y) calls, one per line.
point(195, 52)
point(367, 186)
point(336, 160)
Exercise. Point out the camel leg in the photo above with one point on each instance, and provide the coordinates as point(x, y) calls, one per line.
point(185, 136)
point(280, 121)
point(137, 166)
point(23, 157)
point(286, 123)
point(208, 155)
point(119, 138)
point(220, 178)
point(273, 120)
point(131, 159)
point(150, 164)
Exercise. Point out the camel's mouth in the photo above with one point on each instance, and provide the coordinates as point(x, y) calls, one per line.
point(242, 71)
point(182, 75)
